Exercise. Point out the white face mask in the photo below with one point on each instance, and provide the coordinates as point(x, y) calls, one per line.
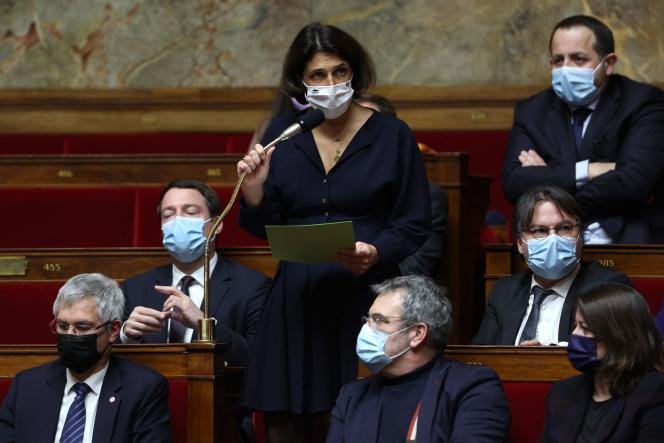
point(332, 100)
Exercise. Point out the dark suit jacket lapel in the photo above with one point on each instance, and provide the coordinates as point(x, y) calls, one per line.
point(362, 139)
point(560, 124)
point(220, 285)
point(49, 402)
point(371, 411)
point(600, 118)
point(567, 315)
point(430, 411)
point(306, 144)
point(164, 278)
point(514, 313)
point(109, 402)
point(575, 411)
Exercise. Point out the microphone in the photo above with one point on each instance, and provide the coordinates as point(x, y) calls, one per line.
point(308, 121)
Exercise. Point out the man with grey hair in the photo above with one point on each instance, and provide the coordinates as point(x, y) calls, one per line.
point(415, 393)
point(87, 394)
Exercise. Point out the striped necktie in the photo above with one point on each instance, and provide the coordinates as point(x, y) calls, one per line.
point(530, 328)
point(74, 427)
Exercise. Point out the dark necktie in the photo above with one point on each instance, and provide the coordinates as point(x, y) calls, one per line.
point(530, 329)
point(74, 427)
point(177, 328)
point(578, 118)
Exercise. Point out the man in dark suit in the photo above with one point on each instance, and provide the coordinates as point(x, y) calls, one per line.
point(537, 307)
point(596, 134)
point(164, 304)
point(87, 395)
point(416, 394)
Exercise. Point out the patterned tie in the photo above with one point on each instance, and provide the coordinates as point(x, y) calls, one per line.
point(530, 329)
point(74, 428)
point(177, 328)
point(578, 118)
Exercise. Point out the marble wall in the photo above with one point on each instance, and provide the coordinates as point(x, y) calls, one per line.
point(208, 43)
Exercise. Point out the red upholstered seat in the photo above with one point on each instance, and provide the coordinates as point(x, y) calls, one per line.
point(528, 404)
point(652, 290)
point(27, 311)
point(177, 403)
point(486, 150)
point(22, 144)
point(43, 217)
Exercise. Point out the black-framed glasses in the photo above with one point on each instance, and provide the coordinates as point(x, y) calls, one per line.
point(62, 327)
point(379, 319)
point(563, 229)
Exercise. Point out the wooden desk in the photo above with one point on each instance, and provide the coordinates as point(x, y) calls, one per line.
point(118, 263)
point(212, 389)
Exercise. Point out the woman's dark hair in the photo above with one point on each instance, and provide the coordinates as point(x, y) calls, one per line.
point(317, 37)
point(619, 318)
point(525, 206)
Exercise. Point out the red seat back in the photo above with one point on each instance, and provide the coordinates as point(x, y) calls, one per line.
point(43, 217)
point(27, 311)
point(652, 290)
point(528, 404)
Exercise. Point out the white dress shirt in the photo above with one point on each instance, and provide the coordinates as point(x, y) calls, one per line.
point(95, 382)
point(551, 309)
point(593, 234)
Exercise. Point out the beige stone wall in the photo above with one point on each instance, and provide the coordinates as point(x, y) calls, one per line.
point(207, 43)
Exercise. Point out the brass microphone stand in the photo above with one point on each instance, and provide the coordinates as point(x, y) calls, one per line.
point(206, 324)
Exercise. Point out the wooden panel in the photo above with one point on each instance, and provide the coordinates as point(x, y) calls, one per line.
point(210, 413)
point(513, 363)
point(236, 109)
point(216, 170)
point(118, 263)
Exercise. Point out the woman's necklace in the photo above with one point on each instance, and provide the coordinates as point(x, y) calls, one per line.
point(337, 140)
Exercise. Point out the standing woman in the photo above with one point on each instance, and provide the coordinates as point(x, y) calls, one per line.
point(620, 396)
point(357, 165)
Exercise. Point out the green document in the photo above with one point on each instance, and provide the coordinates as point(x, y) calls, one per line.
point(310, 243)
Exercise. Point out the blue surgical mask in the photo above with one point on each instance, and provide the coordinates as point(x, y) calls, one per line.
point(575, 86)
point(184, 238)
point(552, 257)
point(582, 353)
point(332, 100)
point(370, 347)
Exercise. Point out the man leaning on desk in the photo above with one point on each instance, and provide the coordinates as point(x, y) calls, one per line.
point(596, 134)
point(163, 305)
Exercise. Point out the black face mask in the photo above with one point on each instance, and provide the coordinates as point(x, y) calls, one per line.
point(78, 352)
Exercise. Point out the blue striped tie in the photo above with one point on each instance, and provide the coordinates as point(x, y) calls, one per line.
point(74, 427)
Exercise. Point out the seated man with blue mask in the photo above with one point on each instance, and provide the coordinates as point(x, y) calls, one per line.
point(536, 307)
point(163, 305)
point(597, 134)
point(415, 393)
